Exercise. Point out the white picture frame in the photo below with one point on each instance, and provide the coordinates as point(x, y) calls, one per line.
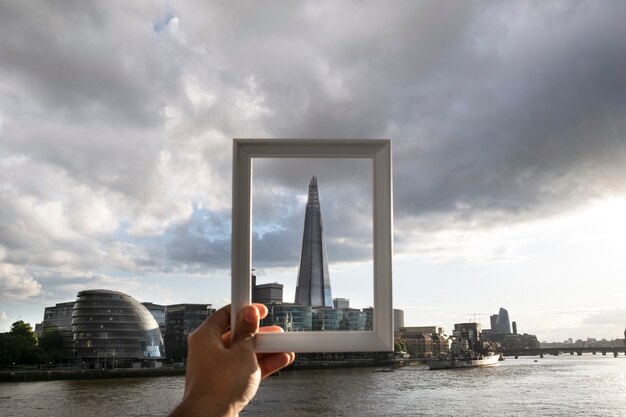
point(379, 152)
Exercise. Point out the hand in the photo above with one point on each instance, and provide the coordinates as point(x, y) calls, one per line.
point(223, 371)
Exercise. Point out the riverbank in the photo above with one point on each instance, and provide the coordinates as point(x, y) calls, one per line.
point(71, 374)
point(33, 375)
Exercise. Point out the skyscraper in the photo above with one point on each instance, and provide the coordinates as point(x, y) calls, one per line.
point(313, 287)
point(494, 319)
point(503, 324)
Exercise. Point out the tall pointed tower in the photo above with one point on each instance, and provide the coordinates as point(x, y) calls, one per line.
point(313, 288)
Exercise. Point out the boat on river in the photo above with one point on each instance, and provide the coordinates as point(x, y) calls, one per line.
point(467, 360)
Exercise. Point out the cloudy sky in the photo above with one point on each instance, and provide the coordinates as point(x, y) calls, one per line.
point(508, 124)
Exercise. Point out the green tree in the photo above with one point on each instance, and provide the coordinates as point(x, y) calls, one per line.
point(19, 328)
point(51, 344)
point(399, 347)
point(19, 346)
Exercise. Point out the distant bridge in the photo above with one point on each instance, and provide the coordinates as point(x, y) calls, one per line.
point(555, 351)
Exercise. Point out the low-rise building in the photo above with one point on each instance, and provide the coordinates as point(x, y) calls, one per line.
point(424, 341)
point(59, 318)
point(291, 317)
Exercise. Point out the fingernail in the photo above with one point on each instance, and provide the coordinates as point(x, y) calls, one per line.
point(251, 315)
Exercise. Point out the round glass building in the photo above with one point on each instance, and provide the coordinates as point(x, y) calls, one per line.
point(112, 329)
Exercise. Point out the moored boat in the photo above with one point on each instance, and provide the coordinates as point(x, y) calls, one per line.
point(464, 361)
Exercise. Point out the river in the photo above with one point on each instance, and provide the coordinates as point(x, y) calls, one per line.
point(555, 386)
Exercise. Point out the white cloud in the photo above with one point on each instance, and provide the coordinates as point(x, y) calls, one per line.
point(17, 284)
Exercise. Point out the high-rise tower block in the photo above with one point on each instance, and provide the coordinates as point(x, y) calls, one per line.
point(313, 288)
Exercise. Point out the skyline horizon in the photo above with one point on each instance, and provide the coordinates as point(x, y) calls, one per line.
point(451, 326)
point(506, 122)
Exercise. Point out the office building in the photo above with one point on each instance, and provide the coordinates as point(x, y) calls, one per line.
point(500, 322)
point(59, 318)
point(341, 303)
point(158, 312)
point(352, 319)
point(398, 319)
point(180, 321)
point(326, 318)
point(271, 293)
point(369, 318)
point(313, 286)
point(291, 317)
point(493, 319)
point(112, 329)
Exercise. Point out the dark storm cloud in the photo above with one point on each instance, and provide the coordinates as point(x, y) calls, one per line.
point(83, 60)
point(495, 113)
point(541, 129)
point(81, 97)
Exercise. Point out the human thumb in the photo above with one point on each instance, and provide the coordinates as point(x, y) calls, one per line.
point(247, 324)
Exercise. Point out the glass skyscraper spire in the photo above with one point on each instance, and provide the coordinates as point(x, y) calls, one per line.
point(313, 288)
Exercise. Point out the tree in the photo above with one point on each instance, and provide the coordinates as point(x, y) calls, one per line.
point(399, 347)
point(51, 344)
point(19, 328)
point(19, 346)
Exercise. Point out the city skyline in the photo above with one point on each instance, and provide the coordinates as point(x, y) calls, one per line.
point(506, 121)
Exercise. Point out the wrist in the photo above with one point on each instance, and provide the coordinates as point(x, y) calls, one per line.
point(189, 408)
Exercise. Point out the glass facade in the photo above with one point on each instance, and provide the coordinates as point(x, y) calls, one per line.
point(291, 317)
point(369, 318)
point(180, 321)
point(59, 318)
point(112, 329)
point(297, 318)
point(353, 319)
point(313, 287)
point(325, 319)
point(503, 325)
point(398, 319)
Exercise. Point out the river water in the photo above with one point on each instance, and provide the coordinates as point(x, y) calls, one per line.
point(555, 386)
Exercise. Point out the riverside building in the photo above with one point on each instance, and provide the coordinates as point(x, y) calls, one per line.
point(291, 317)
point(112, 329)
point(424, 341)
point(59, 318)
point(180, 321)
